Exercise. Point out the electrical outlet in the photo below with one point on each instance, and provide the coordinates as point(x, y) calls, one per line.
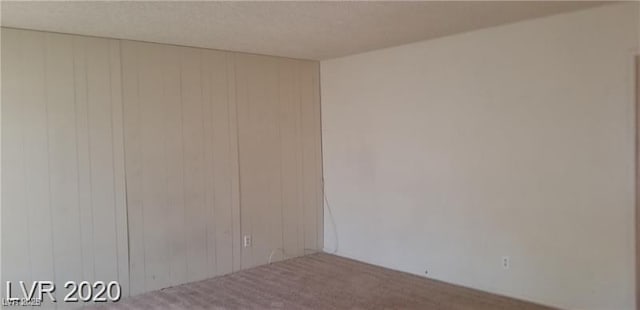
point(246, 241)
point(506, 262)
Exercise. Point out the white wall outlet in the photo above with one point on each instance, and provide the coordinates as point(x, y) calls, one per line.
point(246, 241)
point(506, 262)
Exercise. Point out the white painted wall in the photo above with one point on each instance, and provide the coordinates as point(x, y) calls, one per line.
point(512, 141)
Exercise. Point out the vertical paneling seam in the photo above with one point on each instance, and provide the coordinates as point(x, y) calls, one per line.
point(113, 161)
point(205, 179)
point(208, 179)
point(227, 56)
point(211, 149)
point(24, 167)
point(299, 163)
point(237, 137)
point(319, 162)
point(279, 123)
point(124, 167)
point(184, 204)
point(46, 108)
point(75, 114)
point(144, 246)
point(304, 200)
point(234, 184)
point(312, 102)
point(86, 85)
point(213, 156)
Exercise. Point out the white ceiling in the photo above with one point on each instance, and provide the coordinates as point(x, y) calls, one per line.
point(310, 30)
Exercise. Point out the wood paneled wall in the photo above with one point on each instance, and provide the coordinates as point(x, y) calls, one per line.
point(148, 163)
point(63, 193)
point(219, 145)
point(181, 159)
point(280, 163)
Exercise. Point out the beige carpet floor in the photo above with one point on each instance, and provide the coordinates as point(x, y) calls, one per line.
point(319, 281)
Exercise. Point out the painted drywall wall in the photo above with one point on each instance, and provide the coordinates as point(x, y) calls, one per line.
point(63, 194)
point(446, 155)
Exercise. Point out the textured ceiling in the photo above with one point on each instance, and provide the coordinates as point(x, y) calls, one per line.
point(310, 30)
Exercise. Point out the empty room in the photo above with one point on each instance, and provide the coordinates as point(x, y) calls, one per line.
point(440, 155)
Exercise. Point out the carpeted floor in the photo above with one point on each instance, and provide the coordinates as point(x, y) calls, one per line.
point(319, 281)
